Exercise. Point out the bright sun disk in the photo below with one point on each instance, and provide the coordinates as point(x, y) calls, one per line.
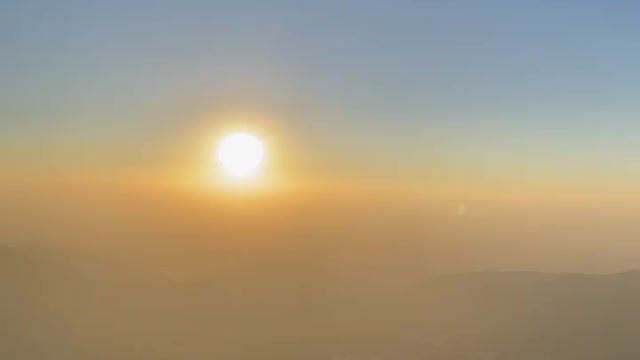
point(240, 155)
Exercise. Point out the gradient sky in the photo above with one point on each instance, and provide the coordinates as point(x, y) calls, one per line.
point(416, 82)
point(538, 97)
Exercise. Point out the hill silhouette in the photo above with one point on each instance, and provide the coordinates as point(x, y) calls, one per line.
point(71, 305)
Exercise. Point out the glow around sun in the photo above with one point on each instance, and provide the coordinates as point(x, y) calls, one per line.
point(240, 155)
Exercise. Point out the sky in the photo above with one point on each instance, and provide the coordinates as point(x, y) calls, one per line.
point(500, 105)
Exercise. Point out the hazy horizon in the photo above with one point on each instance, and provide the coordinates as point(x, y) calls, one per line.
point(462, 135)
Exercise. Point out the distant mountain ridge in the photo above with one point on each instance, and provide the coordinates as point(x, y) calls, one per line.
point(69, 305)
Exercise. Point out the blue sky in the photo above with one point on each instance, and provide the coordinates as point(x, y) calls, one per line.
point(525, 113)
point(476, 82)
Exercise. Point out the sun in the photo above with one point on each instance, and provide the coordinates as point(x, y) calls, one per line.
point(240, 155)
